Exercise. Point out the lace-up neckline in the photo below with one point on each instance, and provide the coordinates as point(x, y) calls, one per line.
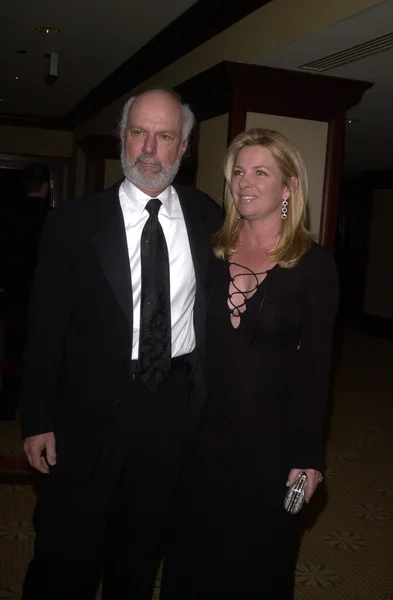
point(237, 297)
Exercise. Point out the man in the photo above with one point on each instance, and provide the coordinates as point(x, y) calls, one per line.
point(103, 414)
point(27, 215)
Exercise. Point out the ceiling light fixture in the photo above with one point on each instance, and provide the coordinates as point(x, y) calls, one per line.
point(47, 30)
point(15, 77)
point(352, 121)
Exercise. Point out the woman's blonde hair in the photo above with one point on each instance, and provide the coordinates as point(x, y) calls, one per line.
point(294, 239)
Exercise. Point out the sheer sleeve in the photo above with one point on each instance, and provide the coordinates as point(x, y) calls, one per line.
point(313, 361)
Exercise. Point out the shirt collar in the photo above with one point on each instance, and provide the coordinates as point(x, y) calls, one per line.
point(137, 200)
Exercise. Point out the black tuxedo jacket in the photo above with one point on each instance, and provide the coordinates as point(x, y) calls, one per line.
point(78, 353)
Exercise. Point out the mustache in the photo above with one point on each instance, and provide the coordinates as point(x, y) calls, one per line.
point(145, 158)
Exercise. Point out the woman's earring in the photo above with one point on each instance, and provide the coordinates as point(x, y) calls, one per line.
point(284, 208)
point(239, 216)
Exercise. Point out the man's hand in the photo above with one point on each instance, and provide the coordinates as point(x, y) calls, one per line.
point(41, 451)
point(313, 478)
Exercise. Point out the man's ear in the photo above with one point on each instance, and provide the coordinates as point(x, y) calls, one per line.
point(184, 147)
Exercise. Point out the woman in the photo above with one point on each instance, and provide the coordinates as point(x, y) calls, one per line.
point(272, 306)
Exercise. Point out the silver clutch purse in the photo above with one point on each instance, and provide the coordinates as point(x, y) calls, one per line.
point(294, 497)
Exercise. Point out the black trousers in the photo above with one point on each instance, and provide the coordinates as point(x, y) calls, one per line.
point(114, 523)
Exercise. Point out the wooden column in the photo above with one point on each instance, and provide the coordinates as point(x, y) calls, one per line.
point(239, 89)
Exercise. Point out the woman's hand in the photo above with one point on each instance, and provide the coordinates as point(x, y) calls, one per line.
point(313, 478)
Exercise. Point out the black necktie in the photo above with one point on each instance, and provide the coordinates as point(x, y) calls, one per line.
point(155, 326)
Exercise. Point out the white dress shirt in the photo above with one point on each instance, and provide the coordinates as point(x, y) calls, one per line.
point(181, 268)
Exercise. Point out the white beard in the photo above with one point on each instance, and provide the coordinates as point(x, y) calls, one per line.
point(153, 180)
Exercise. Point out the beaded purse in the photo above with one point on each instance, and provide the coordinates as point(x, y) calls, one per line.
point(294, 497)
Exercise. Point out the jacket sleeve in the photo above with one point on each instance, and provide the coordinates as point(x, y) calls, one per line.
point(313, 362)
point(50, 310)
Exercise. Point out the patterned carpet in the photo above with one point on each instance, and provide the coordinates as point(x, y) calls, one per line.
point(347, 548)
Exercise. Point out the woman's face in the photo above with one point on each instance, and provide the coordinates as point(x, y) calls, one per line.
point(256, 184)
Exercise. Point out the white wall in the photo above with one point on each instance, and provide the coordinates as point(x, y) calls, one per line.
point(35, 142)
point(211, 153)
point(310, 138)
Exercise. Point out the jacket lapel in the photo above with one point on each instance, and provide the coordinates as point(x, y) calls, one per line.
point(110, 244)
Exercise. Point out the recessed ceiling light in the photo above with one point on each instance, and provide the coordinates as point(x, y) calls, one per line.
point(352, 121)
point(47, 30)
point(15, 77)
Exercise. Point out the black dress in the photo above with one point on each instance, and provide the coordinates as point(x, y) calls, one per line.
point(267, 387)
